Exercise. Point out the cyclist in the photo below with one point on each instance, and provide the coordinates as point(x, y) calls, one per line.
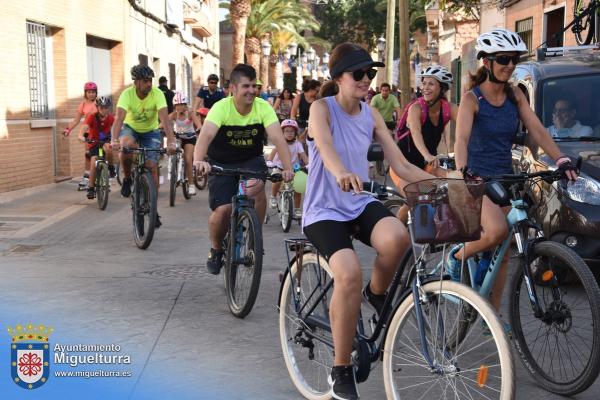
point(301, 105)
point(86, 107)
point(283, 104)
point(488, 119)
point(342, 128)
point(208, 95)
point(419, 135)
point(232, 136)
point(290, 132)
point(386, 105)
point(139, 108)
point(186, 125)
point(97, 126)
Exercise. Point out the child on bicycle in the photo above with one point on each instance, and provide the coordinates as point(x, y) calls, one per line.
point(97, 127)
point(290, 132)
point(184, 122)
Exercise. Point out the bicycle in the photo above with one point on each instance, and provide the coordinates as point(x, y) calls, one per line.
point(177, 172)
point(143, 196)
point(243, 243)
point(584, 22)
point(410, 335)
point(540, 311)
point(102, 181)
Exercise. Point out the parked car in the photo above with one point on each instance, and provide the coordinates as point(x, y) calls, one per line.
point(559, 88)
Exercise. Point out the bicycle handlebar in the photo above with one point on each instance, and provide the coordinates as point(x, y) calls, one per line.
point(127, 150)
point(246, 173)
point(379, 191)
point(523, 176)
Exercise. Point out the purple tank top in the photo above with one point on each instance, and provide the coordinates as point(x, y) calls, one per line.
point(352, 135)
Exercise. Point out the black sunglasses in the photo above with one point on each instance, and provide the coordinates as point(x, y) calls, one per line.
point(504, 60)
point(359, 74)
point(215, 82)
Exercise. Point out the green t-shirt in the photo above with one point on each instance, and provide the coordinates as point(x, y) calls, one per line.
point(240, 137)
point(142, 115)
point(385, 107)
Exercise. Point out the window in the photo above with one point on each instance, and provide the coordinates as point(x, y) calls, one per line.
point(142, 59)
point(38, 70)
point(172, 77)
point(524, 28)
point(554, 21)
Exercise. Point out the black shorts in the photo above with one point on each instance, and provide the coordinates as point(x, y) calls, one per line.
point(329, 236)
point(222, 188)
point(191, 141)
point(93, 152)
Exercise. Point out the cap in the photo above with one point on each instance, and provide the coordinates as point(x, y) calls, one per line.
point(162, 79)
point(258, 82)
point(353, 61)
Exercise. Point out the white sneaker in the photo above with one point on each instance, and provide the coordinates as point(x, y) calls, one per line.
point(192, 190)
point(272, 202)
point(298, 213)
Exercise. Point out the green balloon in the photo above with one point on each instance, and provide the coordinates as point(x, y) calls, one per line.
point(299, 183)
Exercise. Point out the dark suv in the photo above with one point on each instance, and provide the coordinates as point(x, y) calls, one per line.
point(566, 88)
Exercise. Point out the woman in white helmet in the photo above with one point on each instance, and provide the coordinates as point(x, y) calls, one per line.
point(488, 120)
point(186, 127)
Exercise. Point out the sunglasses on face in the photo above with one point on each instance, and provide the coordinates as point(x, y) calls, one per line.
point(504, 60)
point(212, 82)
point(358, 75)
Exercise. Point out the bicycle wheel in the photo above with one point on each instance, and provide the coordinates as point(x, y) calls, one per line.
point(286, 210)
point(244, 263)
point(144, 210)
point(185, 185)
point(479, 367)
point(585, 27)
point(102, 185)
point(561, 350)
point(172, 179)
point(307, 349)
point(119, 173)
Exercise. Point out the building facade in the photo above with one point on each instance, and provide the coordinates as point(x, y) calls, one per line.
point(51, 48)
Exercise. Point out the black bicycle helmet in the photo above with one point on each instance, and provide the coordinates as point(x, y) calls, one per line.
point(213, 77)
point(141, 72)
point(103, 101)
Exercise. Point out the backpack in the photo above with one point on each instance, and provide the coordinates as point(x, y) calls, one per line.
point(402, 133)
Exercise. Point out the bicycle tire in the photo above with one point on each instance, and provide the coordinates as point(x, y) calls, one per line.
point(185, 185)
point(585, 28)
point(172, 179)
point(102, 185)
point(240, 302)
point(308, 375)
point(144, 210)
point(286, 211)
point(118, 173)
point(487, 368)
point(566, 265)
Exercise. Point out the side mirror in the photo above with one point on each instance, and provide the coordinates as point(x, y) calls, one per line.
point(375, 152)
point(520, 138)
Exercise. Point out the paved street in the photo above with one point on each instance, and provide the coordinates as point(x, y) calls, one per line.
point(66, 264)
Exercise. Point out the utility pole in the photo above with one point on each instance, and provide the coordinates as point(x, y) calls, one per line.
point(404, 66)
point(389, 38)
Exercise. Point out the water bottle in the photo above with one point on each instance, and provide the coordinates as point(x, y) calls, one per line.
point(482, 267)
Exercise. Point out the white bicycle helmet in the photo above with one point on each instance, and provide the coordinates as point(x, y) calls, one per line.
point(498, 40)
point(179, 98)
point(438, 72)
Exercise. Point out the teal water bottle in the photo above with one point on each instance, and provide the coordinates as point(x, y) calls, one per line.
point(482, 267)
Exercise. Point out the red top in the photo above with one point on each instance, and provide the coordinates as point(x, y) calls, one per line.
point(98, 131)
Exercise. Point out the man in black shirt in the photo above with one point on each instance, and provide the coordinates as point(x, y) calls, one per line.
point(209, 95)
point(169, 94)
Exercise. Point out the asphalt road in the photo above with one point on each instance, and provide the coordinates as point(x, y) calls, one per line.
point(66, 264)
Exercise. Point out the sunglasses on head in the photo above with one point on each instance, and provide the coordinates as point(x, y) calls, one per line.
point(358, 75)
point(504, 60)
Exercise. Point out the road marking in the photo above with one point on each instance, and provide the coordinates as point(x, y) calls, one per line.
point(43, 224)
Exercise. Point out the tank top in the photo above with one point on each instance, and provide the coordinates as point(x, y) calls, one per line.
point(185, 125)
point(352, 135)
point(303, 111)
point(492, 137)
point(432, 135)
point(285, 109)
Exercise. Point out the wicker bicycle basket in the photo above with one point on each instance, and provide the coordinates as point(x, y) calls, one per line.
point(445, 210)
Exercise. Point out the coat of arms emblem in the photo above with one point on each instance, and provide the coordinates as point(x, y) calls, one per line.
point(30, 355)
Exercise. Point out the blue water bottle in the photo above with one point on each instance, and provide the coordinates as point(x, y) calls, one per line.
point(482, 267)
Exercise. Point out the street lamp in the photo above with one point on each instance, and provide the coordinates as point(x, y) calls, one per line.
point(266, 47)
point(432, 49)
point(310, 54)
point(293, 47)
point(286, 54)
point(326, 58)
point(381, 47)
point(303, 58)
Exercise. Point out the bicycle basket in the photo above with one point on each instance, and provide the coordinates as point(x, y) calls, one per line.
point(445, 210)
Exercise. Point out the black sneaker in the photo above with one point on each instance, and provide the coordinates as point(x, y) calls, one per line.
point(111, 171)
point(376, 300)
point(126, 187)
point(215, 261)
point(343, 383)
point(91, 193)
point(157, 223)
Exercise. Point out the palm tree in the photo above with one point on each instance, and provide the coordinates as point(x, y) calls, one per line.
point(239, 10)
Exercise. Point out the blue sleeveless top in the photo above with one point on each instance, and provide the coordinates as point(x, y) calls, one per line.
point(492, 137)
point(352, 135)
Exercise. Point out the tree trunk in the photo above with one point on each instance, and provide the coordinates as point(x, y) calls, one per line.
point(273, 59)
point(264, 71)
point(239, 10)
point(253, 53)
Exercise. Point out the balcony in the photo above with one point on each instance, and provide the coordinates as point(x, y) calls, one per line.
point(197, 15)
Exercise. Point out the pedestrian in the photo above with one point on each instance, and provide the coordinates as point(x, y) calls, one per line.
point(169, 94)
point(386, 104)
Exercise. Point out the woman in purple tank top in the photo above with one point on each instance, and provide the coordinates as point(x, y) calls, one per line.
point(342, 128)
point(488, 118)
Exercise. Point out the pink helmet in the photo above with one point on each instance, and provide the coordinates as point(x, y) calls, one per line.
point(179, 98)
point(289, 122)
point(90, 86)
